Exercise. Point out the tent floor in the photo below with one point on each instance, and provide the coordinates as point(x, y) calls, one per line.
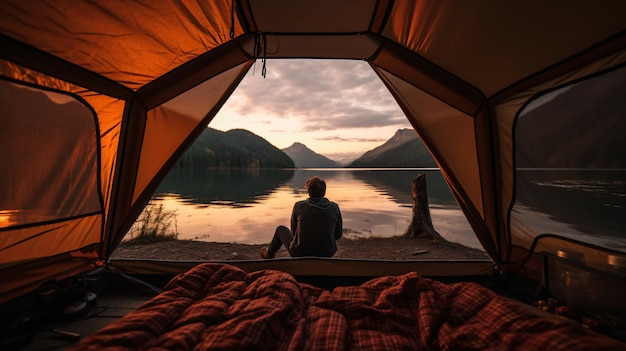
point(109, 308)
point(28, 327)
point(116, 296)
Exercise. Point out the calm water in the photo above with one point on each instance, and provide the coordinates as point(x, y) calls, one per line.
point(245, 206)
point(588, 205)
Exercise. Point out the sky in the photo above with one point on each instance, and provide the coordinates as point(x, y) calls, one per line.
point(337, 108)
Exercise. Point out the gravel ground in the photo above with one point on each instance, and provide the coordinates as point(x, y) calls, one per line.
point(395, 248)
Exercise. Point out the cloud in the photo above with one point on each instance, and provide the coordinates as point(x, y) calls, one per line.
point(321, 94)
point(334, 107)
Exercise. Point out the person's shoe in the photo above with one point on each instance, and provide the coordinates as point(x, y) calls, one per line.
point(265, 253)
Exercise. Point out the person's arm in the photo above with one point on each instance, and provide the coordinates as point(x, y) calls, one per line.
point(339, 227)
point(294, 219)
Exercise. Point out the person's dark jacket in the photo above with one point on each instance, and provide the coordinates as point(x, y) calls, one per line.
point(316, 225)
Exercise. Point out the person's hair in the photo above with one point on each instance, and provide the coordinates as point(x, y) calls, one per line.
point(316, 187)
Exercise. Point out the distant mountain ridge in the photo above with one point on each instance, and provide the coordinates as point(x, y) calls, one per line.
point(303, 157)
point(236, 148)
point(239, 148)
point(579, 128)
point(404, 149)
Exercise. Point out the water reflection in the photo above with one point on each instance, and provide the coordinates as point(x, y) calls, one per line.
point(245, 206)
point(235, 187)
point(583, 204)
point(397, 184)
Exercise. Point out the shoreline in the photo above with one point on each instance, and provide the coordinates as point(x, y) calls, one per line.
point(395, 248)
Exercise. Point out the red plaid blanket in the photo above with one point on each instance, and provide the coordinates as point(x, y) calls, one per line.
point(220, 307)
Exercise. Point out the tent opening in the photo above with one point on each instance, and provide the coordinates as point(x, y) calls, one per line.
point(336, 110)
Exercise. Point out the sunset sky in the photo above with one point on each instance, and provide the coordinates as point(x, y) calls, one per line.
point(339, 109)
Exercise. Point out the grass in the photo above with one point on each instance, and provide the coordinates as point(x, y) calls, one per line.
point(154, 224)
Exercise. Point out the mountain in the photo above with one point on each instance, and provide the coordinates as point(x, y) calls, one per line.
point(237, 148)
point(404, 149)
point(580, 127)
point(343, 162)
point(303, 157)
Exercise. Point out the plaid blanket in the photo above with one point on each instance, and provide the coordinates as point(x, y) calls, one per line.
point(220, 307)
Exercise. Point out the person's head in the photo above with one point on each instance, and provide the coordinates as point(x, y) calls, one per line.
point(316, 187)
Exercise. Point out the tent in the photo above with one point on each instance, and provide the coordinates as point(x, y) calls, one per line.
point(99, 99)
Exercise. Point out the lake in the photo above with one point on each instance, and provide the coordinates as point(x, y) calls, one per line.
point(246, 205)
point(587, 205)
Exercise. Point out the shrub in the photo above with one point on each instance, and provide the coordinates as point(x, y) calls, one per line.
point(154, 224)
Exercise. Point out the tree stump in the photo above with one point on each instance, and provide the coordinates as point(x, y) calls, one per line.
point(421, 225)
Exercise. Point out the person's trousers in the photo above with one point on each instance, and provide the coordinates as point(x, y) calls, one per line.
point(282, 236)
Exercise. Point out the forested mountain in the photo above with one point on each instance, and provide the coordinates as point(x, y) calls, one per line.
point(582, 126)
point(235, 148)
point(404, 149)
point(239, 148)
point(303, 157)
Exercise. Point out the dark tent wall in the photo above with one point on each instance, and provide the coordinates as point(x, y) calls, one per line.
point(153, 74)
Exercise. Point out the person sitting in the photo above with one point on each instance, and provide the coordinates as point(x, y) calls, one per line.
point(316, 225)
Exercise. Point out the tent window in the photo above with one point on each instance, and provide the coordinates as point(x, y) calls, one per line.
point(571, 164)
point(49, 156)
